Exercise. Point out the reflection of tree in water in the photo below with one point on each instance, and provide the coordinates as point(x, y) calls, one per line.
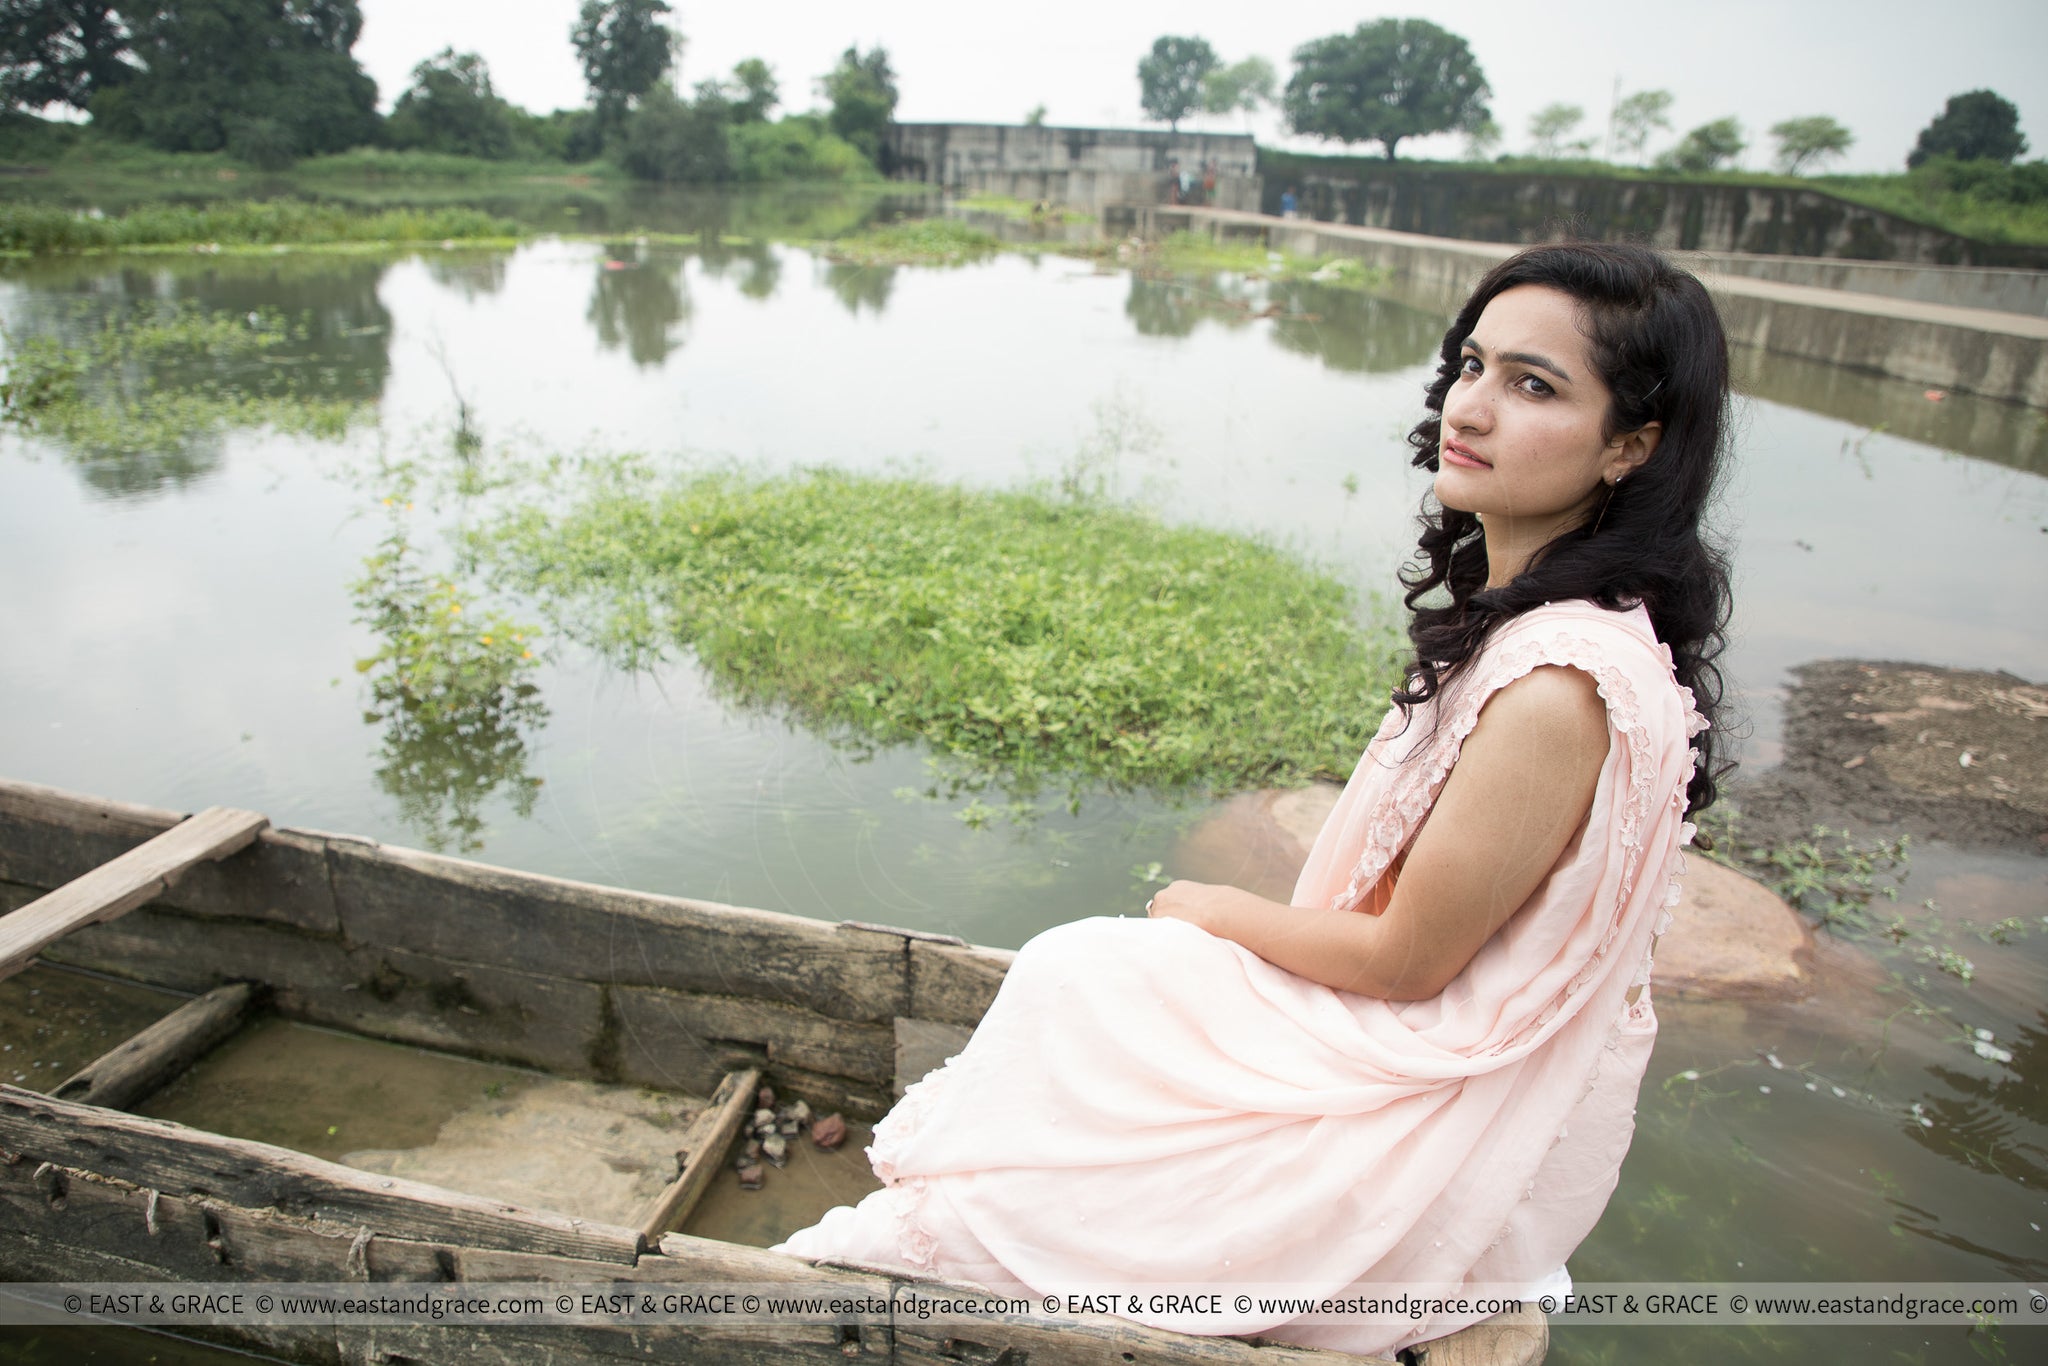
point(861, 287)
point(1344, 328)
point(451, 689)
point(1351, 331)
point(638, 301)
point(1169, 305)
point(472, 274)
point(153, 415)
point(763, 267)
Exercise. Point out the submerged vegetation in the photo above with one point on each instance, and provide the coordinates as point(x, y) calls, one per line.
point(1023, 636)
point(155, 377)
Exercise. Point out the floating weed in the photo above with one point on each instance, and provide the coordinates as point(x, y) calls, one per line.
point(41, 229)
point(1834, 875)
point(1021, 636)
point(452, 689)
point(916, 241)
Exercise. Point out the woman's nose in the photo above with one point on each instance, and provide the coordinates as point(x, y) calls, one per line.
point(1468, 408)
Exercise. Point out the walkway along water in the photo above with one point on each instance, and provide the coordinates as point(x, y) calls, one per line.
point(1971, 350)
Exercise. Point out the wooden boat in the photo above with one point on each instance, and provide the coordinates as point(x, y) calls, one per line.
point(573, 979)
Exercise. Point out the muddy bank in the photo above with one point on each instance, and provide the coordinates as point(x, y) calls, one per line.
point(1882, 749)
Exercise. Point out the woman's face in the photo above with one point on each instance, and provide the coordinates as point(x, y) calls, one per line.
point(1524, 424)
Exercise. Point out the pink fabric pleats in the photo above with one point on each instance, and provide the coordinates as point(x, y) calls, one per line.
point(1148, 1105)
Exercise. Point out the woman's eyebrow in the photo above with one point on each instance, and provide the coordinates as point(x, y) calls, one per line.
point(1523, 358)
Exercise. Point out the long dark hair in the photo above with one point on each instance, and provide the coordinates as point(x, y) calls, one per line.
point(1658, 344)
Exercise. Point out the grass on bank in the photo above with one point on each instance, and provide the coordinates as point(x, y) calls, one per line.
point(40, 229)
point(1023, 637)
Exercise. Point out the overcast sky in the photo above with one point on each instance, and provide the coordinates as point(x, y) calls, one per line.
point(1882, 67)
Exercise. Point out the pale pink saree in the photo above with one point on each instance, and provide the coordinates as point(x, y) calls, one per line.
point(1148, 1105)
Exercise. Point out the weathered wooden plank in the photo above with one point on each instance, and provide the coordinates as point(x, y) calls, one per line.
point(483, 1012)
point(703, 1153)
point(127, 881)
point(663, 1023)
point(178, 1160)
point(1521, 1338)
point(455, 909)
point(134, 1068)
point(954, 984)
point(923, 1046)
point(48, 837)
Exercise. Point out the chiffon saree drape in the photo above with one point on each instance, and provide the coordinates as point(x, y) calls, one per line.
point(1148, 1105)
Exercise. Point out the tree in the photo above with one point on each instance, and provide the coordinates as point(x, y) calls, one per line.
point(262, 79)
point(1240, 87)
point(60, 52)
point(862, 90)
point(451, 107)
point(1705, 147)
point(1549, 128)
point(754, 91)
point(1170, 78)
point(625, 49)
point(1636, 117)
point(1976, 126)
point(1388, 80)
point(1036, 118)
point(1480, 140)
point(1809, 141)
point(669, 138)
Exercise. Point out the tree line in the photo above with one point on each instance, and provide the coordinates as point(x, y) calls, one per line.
point(1394, 79)
point(270, 81)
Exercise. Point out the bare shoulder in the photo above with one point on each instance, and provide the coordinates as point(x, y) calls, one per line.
point(1552, 707)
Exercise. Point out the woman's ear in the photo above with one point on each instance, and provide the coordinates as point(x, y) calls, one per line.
point(1630, 452)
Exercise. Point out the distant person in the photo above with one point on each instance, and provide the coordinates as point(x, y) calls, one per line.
point(1173, 180)
point(1209, 182)
point(1289, 207)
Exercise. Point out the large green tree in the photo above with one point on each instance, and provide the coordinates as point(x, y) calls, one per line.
point(862, 90)
point(60, 52)
point(1636, 117)
point(451, 107)
point(1240, 87)
point(625, 49)
point(267, 79)
point(1388, 80)
point(1706, 147)
point(1980, 125)
point(1170, 78)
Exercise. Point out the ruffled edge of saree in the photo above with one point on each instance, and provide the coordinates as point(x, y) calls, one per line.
point(914, 1240)
point(1415, 785)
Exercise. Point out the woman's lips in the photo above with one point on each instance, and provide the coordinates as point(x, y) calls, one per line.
point(1458, 455)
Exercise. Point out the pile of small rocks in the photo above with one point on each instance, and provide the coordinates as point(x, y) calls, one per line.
point(771, 1130)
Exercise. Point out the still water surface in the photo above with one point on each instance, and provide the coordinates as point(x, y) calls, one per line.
point(180, 632)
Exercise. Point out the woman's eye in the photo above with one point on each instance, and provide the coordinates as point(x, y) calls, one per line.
point(1468, 367)
point(1537, 386)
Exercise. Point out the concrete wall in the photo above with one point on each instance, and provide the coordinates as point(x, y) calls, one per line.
point(1998, 355)
point(1083, 167)
point(2008, 291)
point(1530, 207)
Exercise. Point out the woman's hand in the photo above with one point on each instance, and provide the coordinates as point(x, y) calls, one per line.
point(1201, 904)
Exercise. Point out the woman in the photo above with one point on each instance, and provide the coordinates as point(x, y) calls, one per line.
point(1420, 1074)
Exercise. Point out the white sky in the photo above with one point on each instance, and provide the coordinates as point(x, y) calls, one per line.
point(1882, 67)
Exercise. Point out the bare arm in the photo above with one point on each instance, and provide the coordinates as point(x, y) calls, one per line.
point(1521, 788)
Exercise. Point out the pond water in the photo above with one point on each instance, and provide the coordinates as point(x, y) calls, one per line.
point(180, 631)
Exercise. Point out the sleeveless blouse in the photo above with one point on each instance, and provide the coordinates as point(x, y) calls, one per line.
point(1146, 1105)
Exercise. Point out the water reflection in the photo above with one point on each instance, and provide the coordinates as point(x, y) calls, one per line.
point(754, 267)
point(860, 287)
point(1345, 329)
point(451, 689)
point(472, 274)
point(638, 300)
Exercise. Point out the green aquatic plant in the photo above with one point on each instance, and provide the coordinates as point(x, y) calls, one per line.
point(1021, 636)
point(37, 229)
point(914, 241)
point(157, 377)
point(451, 686)
point(1833, 875)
